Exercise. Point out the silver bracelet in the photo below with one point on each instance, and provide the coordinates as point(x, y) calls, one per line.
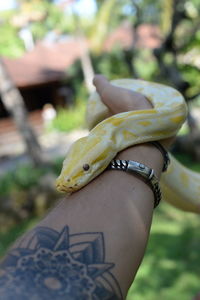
point(134, 167)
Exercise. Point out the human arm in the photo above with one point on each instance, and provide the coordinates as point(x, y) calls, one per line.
point(93, 241)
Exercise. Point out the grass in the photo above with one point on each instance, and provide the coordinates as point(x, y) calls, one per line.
point(7, 238)
point(26, 176)
point(171, 266)
point(69, 119)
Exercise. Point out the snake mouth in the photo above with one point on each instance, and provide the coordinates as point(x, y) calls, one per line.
point(64, 189)
point(72, 188)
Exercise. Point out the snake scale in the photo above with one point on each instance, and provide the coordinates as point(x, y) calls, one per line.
point(90, 155)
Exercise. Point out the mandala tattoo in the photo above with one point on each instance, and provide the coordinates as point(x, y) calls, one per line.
point(58, 265)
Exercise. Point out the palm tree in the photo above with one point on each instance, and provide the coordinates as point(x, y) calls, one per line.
point(91, 40)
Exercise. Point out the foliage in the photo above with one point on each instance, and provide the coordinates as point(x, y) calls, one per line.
point(110, 64)
point(69, 119)
point(192, 75)
point(26, 176)
point(173, 62)
point(54, 21)
point(7, 238)
point(170, 269)
point(146, 65)
point(10, 43)
point(188, 161)
point(97, 36)
point(27, 192)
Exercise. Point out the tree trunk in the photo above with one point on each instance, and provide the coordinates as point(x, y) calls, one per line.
point(86, 64)
point(14, 104)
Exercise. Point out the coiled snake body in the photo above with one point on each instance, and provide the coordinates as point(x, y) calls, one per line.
point(90, 155)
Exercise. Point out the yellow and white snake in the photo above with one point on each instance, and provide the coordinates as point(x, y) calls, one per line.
point(89, 156)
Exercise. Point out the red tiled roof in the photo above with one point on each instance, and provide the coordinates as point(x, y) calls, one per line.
point(148, 36)
point(46, 63)
point(49, 62)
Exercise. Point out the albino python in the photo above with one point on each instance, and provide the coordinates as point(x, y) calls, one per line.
point(90, 155)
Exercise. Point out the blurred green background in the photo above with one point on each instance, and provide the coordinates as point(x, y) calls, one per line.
point(50, 51)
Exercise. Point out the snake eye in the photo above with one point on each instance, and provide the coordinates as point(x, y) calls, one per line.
point(86, 167)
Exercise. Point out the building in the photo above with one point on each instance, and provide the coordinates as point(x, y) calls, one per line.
point(39, 73)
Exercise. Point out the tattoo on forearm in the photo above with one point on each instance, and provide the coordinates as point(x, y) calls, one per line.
point(52, 265)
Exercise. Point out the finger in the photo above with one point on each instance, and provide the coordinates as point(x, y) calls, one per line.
point(104, 89)
point(100, 82)
point(112, 96)
point(119, 99)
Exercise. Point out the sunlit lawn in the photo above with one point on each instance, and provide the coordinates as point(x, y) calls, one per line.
point(171, 267)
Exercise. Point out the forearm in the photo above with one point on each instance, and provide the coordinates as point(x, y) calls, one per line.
point(117, 207)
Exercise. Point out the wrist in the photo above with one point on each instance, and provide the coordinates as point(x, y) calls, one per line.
point(146, 154)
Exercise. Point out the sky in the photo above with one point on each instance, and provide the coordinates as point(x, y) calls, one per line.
point(7, 4)
point(83, 6)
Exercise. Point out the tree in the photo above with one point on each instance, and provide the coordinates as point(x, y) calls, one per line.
point(91, 38)
point(14, 104)
point(170, 58)
point(174, 59)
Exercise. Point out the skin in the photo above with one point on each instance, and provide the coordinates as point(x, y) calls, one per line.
point(117, 204)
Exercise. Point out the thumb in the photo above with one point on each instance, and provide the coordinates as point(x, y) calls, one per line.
point(102, 86)
point(110, 95)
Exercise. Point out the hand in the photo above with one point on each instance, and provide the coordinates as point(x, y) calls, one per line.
point(119, 100)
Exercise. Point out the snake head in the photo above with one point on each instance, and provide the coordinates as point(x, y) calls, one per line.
point(83, 163)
